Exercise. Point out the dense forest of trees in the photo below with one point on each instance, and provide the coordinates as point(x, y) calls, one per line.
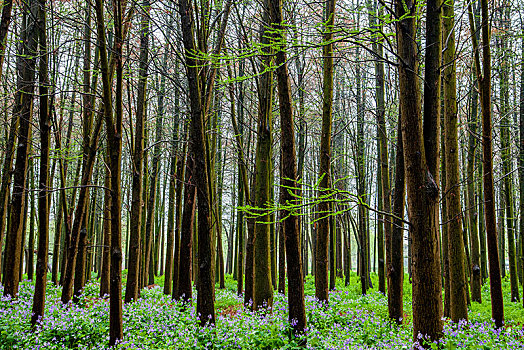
point(269, 140)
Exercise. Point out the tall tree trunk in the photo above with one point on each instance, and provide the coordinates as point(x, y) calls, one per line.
point(173, 241)
point(106, 240)
point(6, 180)
point(301, 153)
point(505, 140)
point(43, 193)
point(114, 149)
point(521, 161)
point(458, 286)
point(484, 79)
point(385, 198)
point(152, 203)
point(23, 253)
point(322, 241)
point(81, 260)
point(396, 247)
point(168, 279)
point(23, 111)
point(263, 289)
point(180, 175)
point(133, 283)
point(332, 248)
point(281, 253)
point(501, 227)
point(422, 190)
point(297, 313)
point(219, 169)
point(197, 148)
point(184, 289)
point(5, 21)
point(475, 269)
point(363, 232)
point(243, 192)
point(250, 241)
point(31, 242)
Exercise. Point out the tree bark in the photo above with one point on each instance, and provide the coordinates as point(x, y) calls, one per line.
point(152, 204)
point(505, 140)
point(521, 163)
point(458, 286)
point(422, 190)
point(197, 148)
point(114, 149)
point(184, 289)
point(322, 241)
point(5, 21)
point(475, 269)
point(297, 314)
point(172, 256)
point(30, 258)
point(263, 289)
point(43, 194)
point(484, 79)
point(7, 175)
point(180, 175)
point(23, 111)
point(133, 283)
point(396, 266)
point(106, 239)
point(382, 140)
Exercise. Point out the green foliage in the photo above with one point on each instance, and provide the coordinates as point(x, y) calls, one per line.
point(513, 312)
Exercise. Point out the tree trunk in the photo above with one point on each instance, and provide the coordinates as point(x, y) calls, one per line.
point(172, 256)
point(106, 240)
point(22, 111)
point(332, 248)
point(484, 79)
point(281, 253)
point(263, 289)
point(505, 140)
point(475, 269)
point(521, 162)
point(133, 282)
point(422, 190)
point(152, 204)
point(218, 166)
point(6, 180)
point(197, 148)
point(7, 6)
point(184, 289)
point(114, 150)
point(243, 184)
point(458, 285)
point(80, 266)
point(396, 247)
point(382, 138)
point(43, 194)
point(180, 176)
point(322, 241)
point(31, 242)
point(363, 232)
point(297, 314)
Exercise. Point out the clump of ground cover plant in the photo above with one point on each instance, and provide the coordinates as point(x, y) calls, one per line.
point(155, 321)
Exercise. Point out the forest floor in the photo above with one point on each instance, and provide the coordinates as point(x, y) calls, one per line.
point(156, 321)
